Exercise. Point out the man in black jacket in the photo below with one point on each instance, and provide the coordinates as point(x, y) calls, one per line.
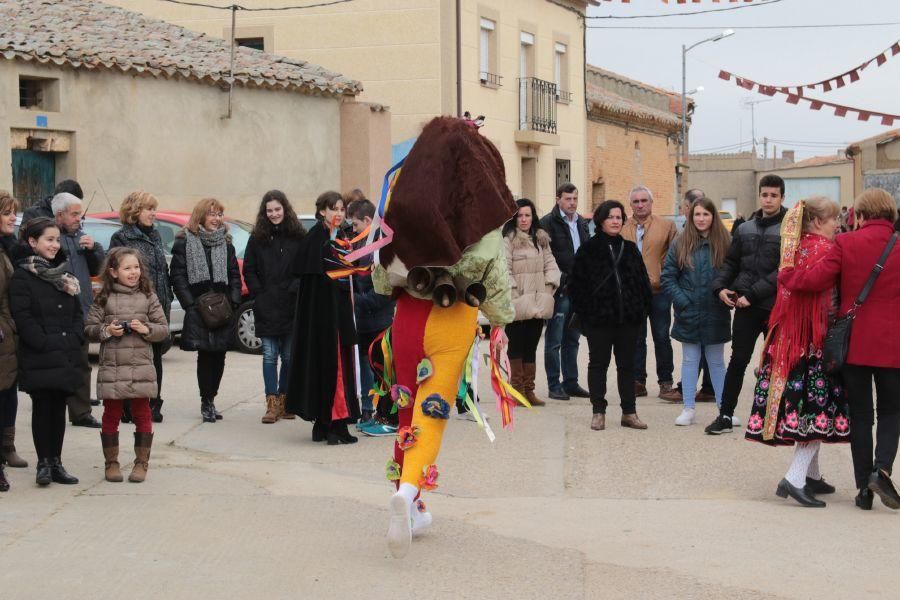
point(43, 208)
point(747, 282)
point(567, 230)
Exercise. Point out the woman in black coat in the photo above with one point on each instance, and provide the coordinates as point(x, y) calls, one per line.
point(203, 260)
point(44, 302)
point(268, 265)
point(611, 295)
point(138, 215)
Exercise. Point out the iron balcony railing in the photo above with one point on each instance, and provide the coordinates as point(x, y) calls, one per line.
point(537, 105)
point(490, 79)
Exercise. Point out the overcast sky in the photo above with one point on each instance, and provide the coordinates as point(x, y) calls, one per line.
point(770, 56)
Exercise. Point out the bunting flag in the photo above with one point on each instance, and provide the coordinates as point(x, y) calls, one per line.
point(795, 96)
point(826, 85)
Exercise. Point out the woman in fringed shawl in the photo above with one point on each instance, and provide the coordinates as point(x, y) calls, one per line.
point(795, 402)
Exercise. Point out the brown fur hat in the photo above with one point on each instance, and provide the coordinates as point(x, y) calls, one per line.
point(450, 193)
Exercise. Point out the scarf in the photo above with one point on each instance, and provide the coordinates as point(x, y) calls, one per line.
point(195, 256)
point(57, 276)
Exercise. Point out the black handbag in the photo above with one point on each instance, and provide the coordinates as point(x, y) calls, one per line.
point(215, 309)
point(837, 339)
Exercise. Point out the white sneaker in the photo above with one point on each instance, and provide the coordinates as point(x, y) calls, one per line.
point(421, 521)
point(686, 417)
point(735, 422)
point(399, 535)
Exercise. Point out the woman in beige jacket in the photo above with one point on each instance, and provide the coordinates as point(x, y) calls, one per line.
point(534, 279)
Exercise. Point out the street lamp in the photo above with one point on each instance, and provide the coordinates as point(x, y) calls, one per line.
point(684, 93)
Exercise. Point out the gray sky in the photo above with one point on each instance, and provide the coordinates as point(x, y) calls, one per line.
point(769, 56)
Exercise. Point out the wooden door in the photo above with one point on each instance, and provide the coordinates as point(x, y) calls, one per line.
point(34, 176)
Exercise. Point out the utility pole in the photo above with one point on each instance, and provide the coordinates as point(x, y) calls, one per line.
point(765, 152)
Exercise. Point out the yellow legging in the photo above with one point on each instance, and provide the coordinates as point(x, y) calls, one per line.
point(448, 337)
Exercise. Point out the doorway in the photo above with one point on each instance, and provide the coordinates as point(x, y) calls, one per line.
point(34, 176)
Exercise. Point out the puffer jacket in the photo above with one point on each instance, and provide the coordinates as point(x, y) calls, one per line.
point(751, 265)
point(50, 324)
point(8, 363)
point(126, 362)
point(267, 271)
point(700, 318)
point(534, 276)
point(154, 255)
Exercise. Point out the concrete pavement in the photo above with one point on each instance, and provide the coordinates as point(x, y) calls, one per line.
point(551, 510)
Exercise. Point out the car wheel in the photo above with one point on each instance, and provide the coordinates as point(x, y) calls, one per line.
point(245, 332)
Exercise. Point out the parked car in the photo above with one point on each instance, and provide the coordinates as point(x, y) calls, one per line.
point(727, 219)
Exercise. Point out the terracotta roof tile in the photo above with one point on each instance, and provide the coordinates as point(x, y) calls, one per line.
point(85, 34)
point(601, 99)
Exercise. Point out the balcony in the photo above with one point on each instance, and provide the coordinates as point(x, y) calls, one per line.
point(537, 112)
point(490, 79)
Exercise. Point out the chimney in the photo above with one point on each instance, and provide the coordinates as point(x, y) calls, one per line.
point(787, 155)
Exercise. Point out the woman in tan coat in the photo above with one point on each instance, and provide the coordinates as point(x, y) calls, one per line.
point(126, 319)
point(534, 279)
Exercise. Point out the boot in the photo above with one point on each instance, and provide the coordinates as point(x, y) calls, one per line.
point(110, 442)
point(43, 472)
point(142, 443)
point(207, 411)
point(58, 472)
point(272, 409)
point(283, 414)
point(156, 410)
point(515, 374)
point(528, 371)
point(4, 483)
point(8, 450)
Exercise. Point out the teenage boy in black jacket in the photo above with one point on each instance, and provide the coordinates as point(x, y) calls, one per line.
point(747, 282)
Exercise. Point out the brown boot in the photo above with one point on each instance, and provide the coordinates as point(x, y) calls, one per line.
point(142, 443)
point(282, 414)
point(528, 371)
point(632, 421)
point(273, 409)
point(8, 453)
point(515, 374)
point(669, 392)
point(110, 443)
point(598, 422)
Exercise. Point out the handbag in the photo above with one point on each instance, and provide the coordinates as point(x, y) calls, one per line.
point(215, 309)
point(837, 339)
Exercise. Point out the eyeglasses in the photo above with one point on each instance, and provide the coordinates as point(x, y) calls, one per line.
point(213, 213)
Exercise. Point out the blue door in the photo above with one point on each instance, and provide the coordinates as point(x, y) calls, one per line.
point(34, 175)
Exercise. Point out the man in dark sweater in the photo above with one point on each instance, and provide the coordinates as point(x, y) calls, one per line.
point(747, 282)
point(43, 208)
point(567, 230)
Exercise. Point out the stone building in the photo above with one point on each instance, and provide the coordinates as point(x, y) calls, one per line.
point(520, 63)
point(121, 101)
point(876, 163)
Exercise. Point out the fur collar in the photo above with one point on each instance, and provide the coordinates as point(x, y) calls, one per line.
point(521, 239)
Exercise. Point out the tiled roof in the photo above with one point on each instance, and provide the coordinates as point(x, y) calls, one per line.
point(630, 81)
point(818, 161)
point(604, 100)
point(85, 34)
point(881, 138)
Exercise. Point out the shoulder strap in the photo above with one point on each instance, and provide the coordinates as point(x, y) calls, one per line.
point(876, 270)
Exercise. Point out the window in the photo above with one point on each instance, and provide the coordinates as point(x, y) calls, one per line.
point(563, 172)
point(38, 93)
point(561, 72)
point(256, 43)
point(487, 54)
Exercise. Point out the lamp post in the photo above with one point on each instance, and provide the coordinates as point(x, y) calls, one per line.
point(684, 51)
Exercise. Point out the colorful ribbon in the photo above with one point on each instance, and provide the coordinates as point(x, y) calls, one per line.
point(507, 396)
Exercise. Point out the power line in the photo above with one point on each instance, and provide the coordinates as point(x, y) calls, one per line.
point(686, 14)
point(244, 8)
point(823, 26)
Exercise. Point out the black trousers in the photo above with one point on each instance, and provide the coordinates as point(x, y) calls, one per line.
point(9, 406)
point(602, 343)
point(79, 402)
point(210, 367)
point(48, 422)
point(748, 325)
point(862, 416)
point(523, 339)
point(157, 364)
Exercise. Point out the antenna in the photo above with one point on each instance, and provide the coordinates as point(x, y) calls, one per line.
point(105, 195)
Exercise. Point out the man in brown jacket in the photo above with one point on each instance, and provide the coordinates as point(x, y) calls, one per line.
point(653, 234)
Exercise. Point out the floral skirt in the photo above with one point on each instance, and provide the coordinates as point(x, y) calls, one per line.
point(813, 406)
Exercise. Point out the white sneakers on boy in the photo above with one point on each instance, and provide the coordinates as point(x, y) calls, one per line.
point(687, 417)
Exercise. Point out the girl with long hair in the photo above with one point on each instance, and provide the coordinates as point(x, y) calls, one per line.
point(534, 278)
point(126, 318)
point(702, 323)
point(268, 264)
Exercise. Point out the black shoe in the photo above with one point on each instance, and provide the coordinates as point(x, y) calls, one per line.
point(4, 483)
point(43, 473)
point(819, 486)
point(882, 485)
point(864, 499)
point(558, 395)
point(215, 410)
point(786, 488)
point(319, 432)
point(207, 411)
point(87, 421)
point(578, 392)
point(156, 410)
point(59, 474)
point(721, 425)
point(338, 434)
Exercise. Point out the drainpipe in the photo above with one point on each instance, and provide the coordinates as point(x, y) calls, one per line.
point(459, 110)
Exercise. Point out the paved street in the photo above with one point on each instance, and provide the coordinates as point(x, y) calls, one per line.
point(551, 510)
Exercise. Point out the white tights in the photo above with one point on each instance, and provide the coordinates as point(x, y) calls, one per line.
point(805, 464)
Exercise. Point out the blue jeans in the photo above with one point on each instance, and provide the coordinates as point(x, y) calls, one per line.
point(690, 369)
point(561, 342)
point(273, 347)
point(660, 325)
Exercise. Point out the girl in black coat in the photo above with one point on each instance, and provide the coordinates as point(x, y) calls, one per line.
point(203, 260)
point(268, 266)
point(44, 302)
point(611, 296)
